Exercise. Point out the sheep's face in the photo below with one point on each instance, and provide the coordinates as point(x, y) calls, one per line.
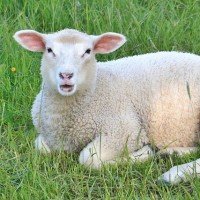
point(68, 63)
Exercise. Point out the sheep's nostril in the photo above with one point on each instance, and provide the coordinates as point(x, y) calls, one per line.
point(66, 75)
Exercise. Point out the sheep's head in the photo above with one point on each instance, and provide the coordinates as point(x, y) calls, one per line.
point(68, 63)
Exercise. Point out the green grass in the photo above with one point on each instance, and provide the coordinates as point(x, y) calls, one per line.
point(150, 26)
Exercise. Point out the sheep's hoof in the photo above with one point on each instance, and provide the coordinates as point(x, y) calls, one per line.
point(171, 177)
point(41, 145)
point(89, 159)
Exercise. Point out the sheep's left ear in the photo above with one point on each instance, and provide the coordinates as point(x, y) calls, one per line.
point(108, 42)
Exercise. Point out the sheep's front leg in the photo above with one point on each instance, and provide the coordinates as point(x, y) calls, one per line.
point(101, 149)
point(41, 145)
point(181, 172)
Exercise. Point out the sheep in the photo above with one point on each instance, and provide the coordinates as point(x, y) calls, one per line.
point(99, 109)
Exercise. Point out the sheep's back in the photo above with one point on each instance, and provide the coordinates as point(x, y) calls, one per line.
point(165, 92)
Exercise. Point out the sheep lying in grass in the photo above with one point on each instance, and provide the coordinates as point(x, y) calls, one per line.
point(102, 108)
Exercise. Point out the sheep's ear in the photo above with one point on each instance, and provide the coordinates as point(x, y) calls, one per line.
point(108, 42)
point(30, 40)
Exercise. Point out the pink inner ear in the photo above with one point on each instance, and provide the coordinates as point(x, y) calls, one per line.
point(107, 43)
point(32, 41)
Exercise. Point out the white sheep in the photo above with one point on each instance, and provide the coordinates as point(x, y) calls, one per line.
point(102, 108)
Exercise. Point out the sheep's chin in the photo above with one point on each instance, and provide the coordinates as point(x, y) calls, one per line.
point(67, 91)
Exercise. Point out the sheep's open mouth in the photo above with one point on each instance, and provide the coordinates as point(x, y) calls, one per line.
point(66, 88)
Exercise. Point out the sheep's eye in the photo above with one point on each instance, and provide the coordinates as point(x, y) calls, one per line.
point(88, 51)
point(49, 50)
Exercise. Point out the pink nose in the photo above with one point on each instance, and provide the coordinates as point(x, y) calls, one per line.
point(66, 76)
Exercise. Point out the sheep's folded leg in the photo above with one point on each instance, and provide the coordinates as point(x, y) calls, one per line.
point(89, 157)
point(181, 172)
point(142, 154)
point(41, 145)
point(98, 151)
point(104, 149)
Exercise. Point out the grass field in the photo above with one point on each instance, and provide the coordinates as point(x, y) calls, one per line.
point(150, 26)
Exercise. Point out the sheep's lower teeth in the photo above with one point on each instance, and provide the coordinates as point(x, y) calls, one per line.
point(67, 88)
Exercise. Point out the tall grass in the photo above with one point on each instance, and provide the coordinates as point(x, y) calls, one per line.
point(150, 26)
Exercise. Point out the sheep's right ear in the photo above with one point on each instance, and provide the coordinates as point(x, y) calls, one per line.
point(30, 40)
